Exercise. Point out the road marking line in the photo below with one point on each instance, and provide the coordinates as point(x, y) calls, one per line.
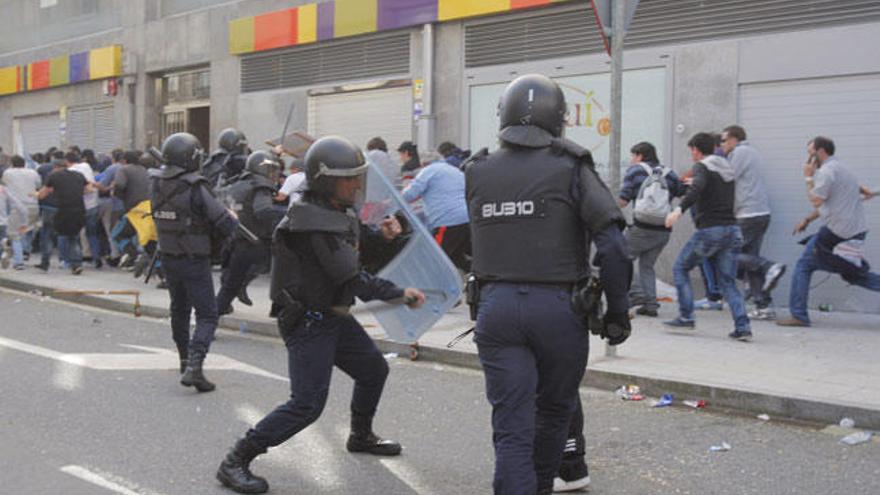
point(67, 376)
point(249, 414)
point(405, 473)
point(151, 358)
point(110, 482)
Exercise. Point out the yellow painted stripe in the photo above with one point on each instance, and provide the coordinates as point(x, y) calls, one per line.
point(105, 62)
point(457, 9)
point(9, 80)
point(307, 20)
point(354, 17)
point(59, 71)
point(241, 35)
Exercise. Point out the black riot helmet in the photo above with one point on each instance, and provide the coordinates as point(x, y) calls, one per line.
point(264, 163)
point(182, 150)
point(331, 158)
point(533, 99)
point(232, 140)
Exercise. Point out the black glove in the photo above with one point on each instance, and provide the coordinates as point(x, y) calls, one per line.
point(289, 317)
point(617, 328)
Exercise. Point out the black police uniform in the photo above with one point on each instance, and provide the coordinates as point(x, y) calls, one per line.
point(535, 205)
point(186, 216)
point(316, 275)
point(227, 163)
point(252, 198)
point(223, 166)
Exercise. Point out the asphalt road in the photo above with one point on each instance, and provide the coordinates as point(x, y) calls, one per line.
point(73, 422)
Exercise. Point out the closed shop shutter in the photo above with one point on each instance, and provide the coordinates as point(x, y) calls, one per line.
point(571, 30)
point(106, 134)
point(40, 132)
point(92, 127)
point(362, 115)
point(779, 119)
point(364, 57)
point(79, 127)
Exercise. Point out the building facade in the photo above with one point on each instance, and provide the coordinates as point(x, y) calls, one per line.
point(432, 70)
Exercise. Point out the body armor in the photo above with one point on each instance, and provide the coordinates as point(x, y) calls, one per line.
point(182, 232)
point(314, 252)
point(532, 208)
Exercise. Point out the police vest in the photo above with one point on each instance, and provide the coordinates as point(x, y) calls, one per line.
point(525, 219)
point(297, 273)
point(181, 232)
point(240, 196)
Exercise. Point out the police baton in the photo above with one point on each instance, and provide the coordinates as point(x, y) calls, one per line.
point(247, 234)
point(156, 154)
point(152, 266)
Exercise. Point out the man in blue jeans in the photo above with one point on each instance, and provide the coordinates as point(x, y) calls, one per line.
point(837, 248)
point(717, 238)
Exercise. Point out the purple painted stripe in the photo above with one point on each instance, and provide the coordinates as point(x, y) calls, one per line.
point(326, 11)
point(395, 14)
point(79, 67)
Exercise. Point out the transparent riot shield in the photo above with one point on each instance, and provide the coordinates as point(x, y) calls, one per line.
point(417, 261)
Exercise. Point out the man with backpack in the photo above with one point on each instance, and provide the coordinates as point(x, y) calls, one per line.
point(651, 188)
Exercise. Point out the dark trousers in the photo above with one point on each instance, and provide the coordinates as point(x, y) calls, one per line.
point(533, 350)
point(751, 265)
point(575, 444)
point(456, 243)
point(47, 232)
point(190, 285)
point(244, 257)
point(313, 348)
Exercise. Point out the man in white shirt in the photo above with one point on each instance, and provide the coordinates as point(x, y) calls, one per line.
point(92, 221)
point(22, 184)
point(290, 190)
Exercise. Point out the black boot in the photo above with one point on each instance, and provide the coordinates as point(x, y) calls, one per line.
point(243, 296)
point(362, 438)
point(193, 376)
point(182, 353)
point(235, 472)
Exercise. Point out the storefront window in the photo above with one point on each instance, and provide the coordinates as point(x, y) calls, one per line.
point(589, 104)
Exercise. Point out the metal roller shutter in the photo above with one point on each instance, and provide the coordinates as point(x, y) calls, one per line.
point(779, 119)
point(79, 127)
point(106, 131)
point(40, 132)
point(362, 115)
point(571, 30)
point(373, 56)
point(92, 127)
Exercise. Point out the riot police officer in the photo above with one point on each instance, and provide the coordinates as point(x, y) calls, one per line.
point(316, 275)
point(535, 205)
point(228, 162)
point(187, 215)
point(251, 198)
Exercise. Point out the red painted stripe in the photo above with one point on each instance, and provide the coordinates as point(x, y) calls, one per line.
point(275, 29)
point(40, 75)
point(523, 4)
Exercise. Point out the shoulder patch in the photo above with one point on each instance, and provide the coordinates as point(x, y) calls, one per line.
point(475, 158)
point(576, 151)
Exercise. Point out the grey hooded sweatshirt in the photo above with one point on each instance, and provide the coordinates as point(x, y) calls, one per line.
point(712, 193)
point(751, 196)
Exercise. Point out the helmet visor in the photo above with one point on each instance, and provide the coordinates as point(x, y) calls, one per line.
point(325, 171)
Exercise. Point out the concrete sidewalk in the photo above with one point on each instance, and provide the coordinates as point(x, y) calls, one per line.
point(816, 374)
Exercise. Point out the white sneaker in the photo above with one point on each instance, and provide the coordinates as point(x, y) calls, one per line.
point(560, 485)
point(705, 304)
point(762, 314)
point(771, 278)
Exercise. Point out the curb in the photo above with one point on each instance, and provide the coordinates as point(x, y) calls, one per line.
point(717, 398)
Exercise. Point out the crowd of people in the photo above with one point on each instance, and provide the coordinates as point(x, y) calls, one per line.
point(178, 213)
